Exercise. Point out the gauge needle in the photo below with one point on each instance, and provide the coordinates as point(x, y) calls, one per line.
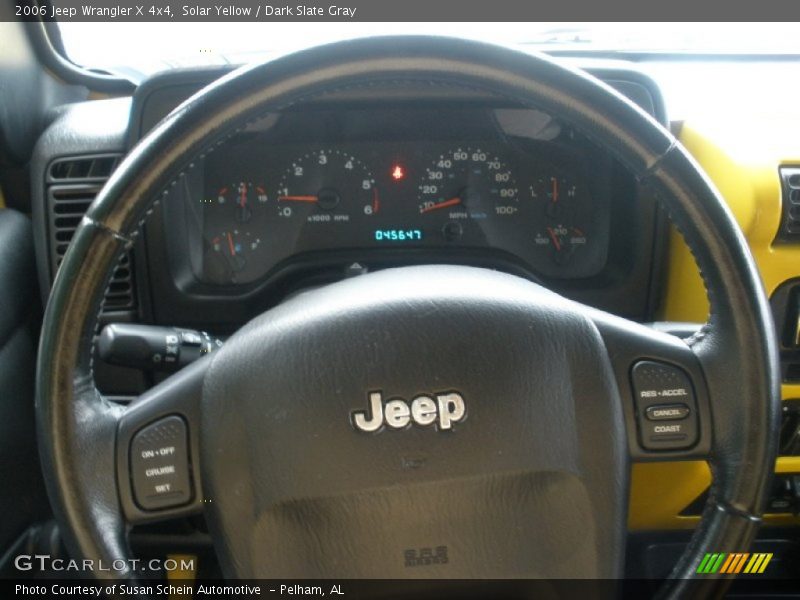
point(444, 204)
point(298, 198)
point(553, 237)
point(230, 244)
point(555, 190)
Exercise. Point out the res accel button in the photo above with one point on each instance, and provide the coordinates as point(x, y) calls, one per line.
point(160, 465)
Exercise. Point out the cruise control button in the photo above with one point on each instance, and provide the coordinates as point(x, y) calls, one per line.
point(160, 465)
point(666, 408)
point(666, 432)
point(666, 412)
point(656, 382)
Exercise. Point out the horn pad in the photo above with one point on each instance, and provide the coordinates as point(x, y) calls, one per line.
point(500, 450)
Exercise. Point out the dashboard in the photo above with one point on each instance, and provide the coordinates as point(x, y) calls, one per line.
point(509, 185)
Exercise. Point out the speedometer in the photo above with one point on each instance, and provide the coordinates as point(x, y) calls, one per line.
point(468, 183)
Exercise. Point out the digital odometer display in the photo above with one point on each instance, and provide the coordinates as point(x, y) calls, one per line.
point(398, 235)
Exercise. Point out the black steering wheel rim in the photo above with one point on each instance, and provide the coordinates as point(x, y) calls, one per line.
point(736, 347)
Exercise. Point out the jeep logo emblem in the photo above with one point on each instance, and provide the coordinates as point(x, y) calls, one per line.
point(447, 409)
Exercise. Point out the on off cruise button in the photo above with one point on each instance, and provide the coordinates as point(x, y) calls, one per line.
point(159, 456)
point(667, 412)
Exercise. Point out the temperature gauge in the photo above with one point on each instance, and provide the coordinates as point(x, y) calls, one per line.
point(561, 242)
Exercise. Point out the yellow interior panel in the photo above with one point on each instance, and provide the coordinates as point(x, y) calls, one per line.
point(742, 159)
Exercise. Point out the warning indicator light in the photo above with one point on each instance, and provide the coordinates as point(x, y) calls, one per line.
point(398, 173)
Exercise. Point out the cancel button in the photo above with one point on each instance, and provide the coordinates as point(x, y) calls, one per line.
point(667, 412)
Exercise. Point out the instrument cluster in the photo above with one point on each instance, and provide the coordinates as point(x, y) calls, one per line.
point(267, 200)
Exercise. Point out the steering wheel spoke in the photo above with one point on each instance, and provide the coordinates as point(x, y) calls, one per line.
point(157, 451)
point(663, 390)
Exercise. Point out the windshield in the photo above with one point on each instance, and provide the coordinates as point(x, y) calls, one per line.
point(135, 50)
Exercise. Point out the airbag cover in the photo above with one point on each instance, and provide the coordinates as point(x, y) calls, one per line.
point(530, 481)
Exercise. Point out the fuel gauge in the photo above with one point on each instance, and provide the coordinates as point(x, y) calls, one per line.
point(235, 246)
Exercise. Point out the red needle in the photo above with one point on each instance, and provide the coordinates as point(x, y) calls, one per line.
point(445, 204)
point(242, 196)
point(553, 237)
point(230, 244)
point(375, 202)
point(555, 189)
point(297, 198)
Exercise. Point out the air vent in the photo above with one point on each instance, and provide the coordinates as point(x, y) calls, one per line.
point(790, 223)
point(73, 183)
point(89, 168)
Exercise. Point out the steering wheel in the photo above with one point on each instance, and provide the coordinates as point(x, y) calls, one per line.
point(450, 408)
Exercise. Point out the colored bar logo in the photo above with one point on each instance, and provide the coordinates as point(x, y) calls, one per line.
point(733, 563)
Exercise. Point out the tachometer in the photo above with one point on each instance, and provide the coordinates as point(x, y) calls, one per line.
point(327, 186)
point(468, 183)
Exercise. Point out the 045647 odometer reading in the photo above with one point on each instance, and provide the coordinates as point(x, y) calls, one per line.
point(397, 235)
